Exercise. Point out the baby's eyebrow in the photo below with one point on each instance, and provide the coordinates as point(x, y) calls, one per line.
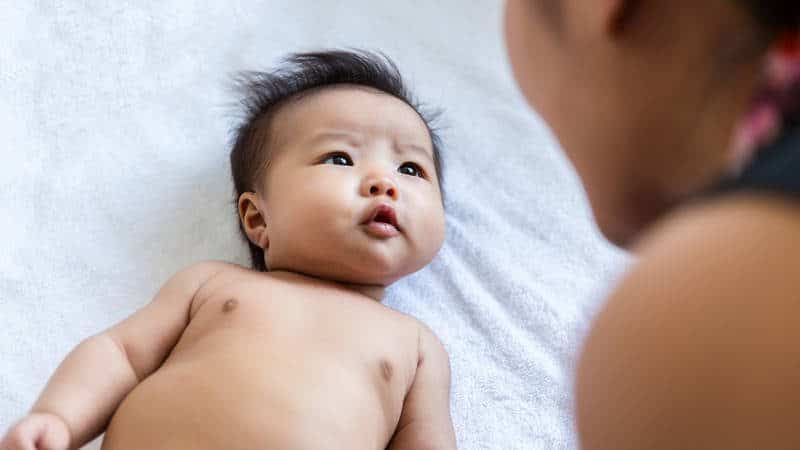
point(413, 148)
point(330, 135)
point(357, 140)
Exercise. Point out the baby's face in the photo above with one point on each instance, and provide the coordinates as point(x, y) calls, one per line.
point(351, 192)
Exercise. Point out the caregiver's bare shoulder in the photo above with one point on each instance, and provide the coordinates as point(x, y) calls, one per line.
point(707, 305)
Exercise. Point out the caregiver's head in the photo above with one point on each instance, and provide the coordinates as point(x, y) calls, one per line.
point(643, 94)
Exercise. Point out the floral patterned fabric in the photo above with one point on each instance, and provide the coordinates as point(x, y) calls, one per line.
point(777, 105)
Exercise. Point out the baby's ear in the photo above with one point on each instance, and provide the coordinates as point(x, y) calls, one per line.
point(252, 214)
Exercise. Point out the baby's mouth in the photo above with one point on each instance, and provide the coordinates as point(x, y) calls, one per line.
point(382, 222)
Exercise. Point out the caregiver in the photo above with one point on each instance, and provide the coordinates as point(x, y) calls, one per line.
point(699, 345)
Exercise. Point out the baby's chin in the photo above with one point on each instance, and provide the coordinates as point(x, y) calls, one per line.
point(364, 273)
point(354, 265)
point(364, 276)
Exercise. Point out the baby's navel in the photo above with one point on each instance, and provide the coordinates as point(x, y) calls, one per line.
point(230, 305)
point(386, 370)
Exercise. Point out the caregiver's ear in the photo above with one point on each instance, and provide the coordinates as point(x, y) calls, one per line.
point(252, 215)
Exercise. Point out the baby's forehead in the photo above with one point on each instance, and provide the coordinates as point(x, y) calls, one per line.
point(353, 112)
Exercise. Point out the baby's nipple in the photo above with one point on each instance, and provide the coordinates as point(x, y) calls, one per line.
point(230, 305)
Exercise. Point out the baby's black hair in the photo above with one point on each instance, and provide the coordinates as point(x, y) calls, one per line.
point(265, 93)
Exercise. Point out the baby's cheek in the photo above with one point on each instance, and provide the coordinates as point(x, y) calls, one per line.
point(433, 231)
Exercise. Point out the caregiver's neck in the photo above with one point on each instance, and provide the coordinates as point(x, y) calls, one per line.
point(645, 117)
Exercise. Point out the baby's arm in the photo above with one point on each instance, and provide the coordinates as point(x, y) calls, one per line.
point(425, 422)
point(92, 381)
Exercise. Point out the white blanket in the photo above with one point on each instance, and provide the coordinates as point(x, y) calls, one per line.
point(114, 120)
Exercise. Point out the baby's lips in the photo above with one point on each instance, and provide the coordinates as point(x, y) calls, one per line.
point(383, 213)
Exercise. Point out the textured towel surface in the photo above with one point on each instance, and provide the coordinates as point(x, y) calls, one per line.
point(114, 119)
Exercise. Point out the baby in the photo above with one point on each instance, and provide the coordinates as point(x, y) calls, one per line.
point(337, 180)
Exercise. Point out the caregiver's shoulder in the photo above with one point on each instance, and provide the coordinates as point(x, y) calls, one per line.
point(710, 308)
point(735, 246)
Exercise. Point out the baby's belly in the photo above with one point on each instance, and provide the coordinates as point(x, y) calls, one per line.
point(229, 392)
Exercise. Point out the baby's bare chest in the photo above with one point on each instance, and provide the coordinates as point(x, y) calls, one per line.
point(295, 368)
point(303, 331)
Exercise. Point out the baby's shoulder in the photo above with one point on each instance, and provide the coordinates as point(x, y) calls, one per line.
point(191, 279)
point(208, 277)
point(427, 342)
point(203, 272)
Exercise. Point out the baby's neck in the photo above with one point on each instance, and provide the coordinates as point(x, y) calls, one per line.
point(375, 292)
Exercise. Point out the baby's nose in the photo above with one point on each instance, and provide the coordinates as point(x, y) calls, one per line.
point(378, 186)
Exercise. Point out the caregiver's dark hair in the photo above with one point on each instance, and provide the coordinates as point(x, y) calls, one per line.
point(265, 93)
point(774, 15)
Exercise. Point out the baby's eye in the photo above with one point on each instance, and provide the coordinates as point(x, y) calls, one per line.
point(338, 159)
point(411, 169)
